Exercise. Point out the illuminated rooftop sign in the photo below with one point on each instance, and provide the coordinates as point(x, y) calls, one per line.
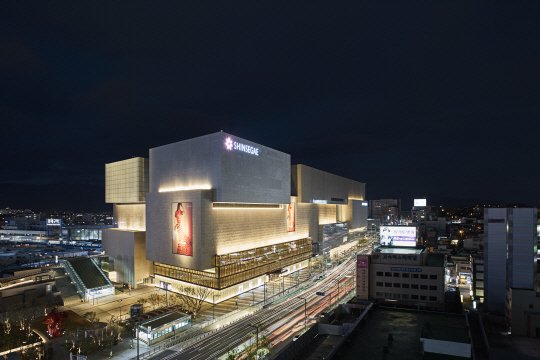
point(54, 222)
point(233, 145)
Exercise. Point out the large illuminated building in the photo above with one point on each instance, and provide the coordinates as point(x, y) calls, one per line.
point(223, 212)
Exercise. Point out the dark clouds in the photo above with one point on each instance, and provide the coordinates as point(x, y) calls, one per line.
point(437, 100)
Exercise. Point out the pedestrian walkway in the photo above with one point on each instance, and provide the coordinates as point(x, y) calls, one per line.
point(119, 304)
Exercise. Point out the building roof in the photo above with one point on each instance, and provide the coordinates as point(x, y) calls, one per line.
point(406, 329)
point(400, 250)
point(88, 272)
point(164, 320)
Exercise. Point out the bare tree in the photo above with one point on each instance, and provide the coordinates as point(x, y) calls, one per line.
point(153, 299)
point(193, 297)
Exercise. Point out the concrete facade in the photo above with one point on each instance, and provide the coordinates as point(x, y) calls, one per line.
point(126, 181)
point(127, 255)
point(221, 231)
point(406, 276)
point(130, 216)
point(316, 186)
point(233, 175)
point(523, 312)
point(510, 253)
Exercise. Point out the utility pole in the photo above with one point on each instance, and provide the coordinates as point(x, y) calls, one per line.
point(257, 328)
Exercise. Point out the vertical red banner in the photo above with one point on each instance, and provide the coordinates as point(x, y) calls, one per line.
point(182, 242)
point(291, 217)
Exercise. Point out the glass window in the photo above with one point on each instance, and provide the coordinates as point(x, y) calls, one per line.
point(422, 297)
point(423, 287)
point(387, 274)
point(388, 284)
point(405, 275)
point(414, 286)
point(405, 296)
point(432, 277)
point(380, 273)
point(405, 286)
point(397, 285)
point(432, 287)
point(396, 274)
point(423, 276)
point(432, 298)
point(414, 297)
point(379, 283)
point(414, 276)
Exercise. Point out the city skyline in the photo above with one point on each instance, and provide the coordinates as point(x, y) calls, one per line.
point(435, 101)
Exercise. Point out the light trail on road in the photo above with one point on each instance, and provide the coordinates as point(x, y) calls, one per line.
point(277, 320)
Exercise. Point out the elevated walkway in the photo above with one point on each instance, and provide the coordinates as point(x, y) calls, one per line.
point(87, 277)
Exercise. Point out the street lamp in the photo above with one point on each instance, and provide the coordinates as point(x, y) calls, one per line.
point(214, 305)
point(305, 312)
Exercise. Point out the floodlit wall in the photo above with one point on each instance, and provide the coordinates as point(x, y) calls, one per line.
point(126, 250)
point(220, 231)
point(126, 181)
point(130, 216)
point(213, 162)
point(317, 186)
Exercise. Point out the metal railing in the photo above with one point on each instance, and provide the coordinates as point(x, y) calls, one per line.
point(73, 275)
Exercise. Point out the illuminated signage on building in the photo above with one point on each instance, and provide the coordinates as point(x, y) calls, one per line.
point(420, 202)
point(405, 269)
point(365, 203)
point(362, 277)
point(54, 222)
point(398, 235)
point(233, 145)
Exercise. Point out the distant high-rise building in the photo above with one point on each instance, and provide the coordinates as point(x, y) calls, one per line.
point(510, 245)
point(385, 209)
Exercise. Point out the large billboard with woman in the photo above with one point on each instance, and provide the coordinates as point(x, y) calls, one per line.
point(291, 217)
point(398, 235)
point(182, 242)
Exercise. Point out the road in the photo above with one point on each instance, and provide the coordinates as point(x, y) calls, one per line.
point(279, 320)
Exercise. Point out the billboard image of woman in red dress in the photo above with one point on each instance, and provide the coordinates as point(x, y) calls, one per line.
point(182, 229)
point(291, 217)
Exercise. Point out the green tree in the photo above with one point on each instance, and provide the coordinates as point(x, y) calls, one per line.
point(232, 354)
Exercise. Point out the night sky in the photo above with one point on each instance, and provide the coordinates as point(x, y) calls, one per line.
point(436, 99)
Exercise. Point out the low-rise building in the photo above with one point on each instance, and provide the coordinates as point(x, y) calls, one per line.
point(402, 275)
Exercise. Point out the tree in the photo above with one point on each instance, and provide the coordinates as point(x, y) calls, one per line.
point(232, 354)
point(153, 299)
point(193, 297)
point(91, 316)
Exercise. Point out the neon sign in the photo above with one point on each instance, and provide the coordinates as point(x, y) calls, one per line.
point(230, 145)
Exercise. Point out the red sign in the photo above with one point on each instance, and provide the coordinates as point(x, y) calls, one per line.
point(182, 243)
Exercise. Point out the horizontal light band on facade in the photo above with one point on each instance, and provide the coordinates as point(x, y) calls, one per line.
point(184, 188)
point(246, 206)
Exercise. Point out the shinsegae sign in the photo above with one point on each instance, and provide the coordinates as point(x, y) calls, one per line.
point(234, 145)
